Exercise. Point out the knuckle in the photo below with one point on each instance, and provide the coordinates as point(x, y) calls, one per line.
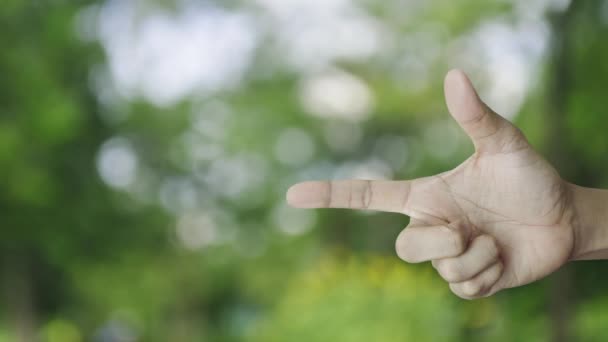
point(485, 239)
point(407, 190)
point(455, 288)
point(501, 268)
point(450, 270)
point(471, 288)
point(401, 253)
point(327, 193)
point(407, 256)
point(366, 195)
point(456, 241)
point(403, 247)
point(491, 245)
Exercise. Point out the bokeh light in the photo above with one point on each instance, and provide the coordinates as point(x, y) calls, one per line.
point(146, 147)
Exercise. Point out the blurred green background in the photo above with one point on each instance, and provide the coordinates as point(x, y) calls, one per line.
point(146, 146)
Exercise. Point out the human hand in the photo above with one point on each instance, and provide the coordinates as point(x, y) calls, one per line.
point(501, 219)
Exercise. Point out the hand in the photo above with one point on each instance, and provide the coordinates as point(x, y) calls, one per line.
point(502, 218)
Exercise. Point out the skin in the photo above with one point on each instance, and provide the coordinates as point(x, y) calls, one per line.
point(503, 218)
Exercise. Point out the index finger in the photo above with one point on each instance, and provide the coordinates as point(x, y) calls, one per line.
point(390, 196)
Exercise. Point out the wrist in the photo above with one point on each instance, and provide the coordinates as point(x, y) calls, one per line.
point(590, 222)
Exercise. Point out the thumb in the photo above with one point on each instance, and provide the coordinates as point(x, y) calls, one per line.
point(489, 131)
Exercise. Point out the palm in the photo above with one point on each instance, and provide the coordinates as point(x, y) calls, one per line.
point(500, 219)
point(517, 198)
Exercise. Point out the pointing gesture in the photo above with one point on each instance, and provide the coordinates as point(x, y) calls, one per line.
point(502, 218)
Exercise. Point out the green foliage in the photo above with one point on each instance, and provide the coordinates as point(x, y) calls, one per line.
point(358, 299)
point(81, 259)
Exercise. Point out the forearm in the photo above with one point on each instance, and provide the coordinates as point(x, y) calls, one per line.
point(590, 223)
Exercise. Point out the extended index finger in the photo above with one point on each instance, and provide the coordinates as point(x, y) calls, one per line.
point(391, 196)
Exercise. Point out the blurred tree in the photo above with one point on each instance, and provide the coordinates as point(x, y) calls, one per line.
point(56, 212)
point(196, 242)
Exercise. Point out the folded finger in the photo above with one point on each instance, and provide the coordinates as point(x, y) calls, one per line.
point(481, 253)
point(418, 244)
point(480, 285)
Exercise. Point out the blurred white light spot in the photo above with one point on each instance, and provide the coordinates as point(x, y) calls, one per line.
point(117, 162)
point(232, 176)
point(508, 51)
point(117, 330)
point(392, 149)
point(318, 170)
point(343, 136)
point(211, 120)
point(369, 169)
point(195, 231)
point(202, 151)
point(191, 149)
point(508, 55)
point(166, 56)
point(412, 73)
point(442, 139)
point(294, 147)
point(373, 169)
point(336, 94)
point(178, 194)
point(315, 33)
point(288, 8)
point(293, 221)
point(507, 92)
